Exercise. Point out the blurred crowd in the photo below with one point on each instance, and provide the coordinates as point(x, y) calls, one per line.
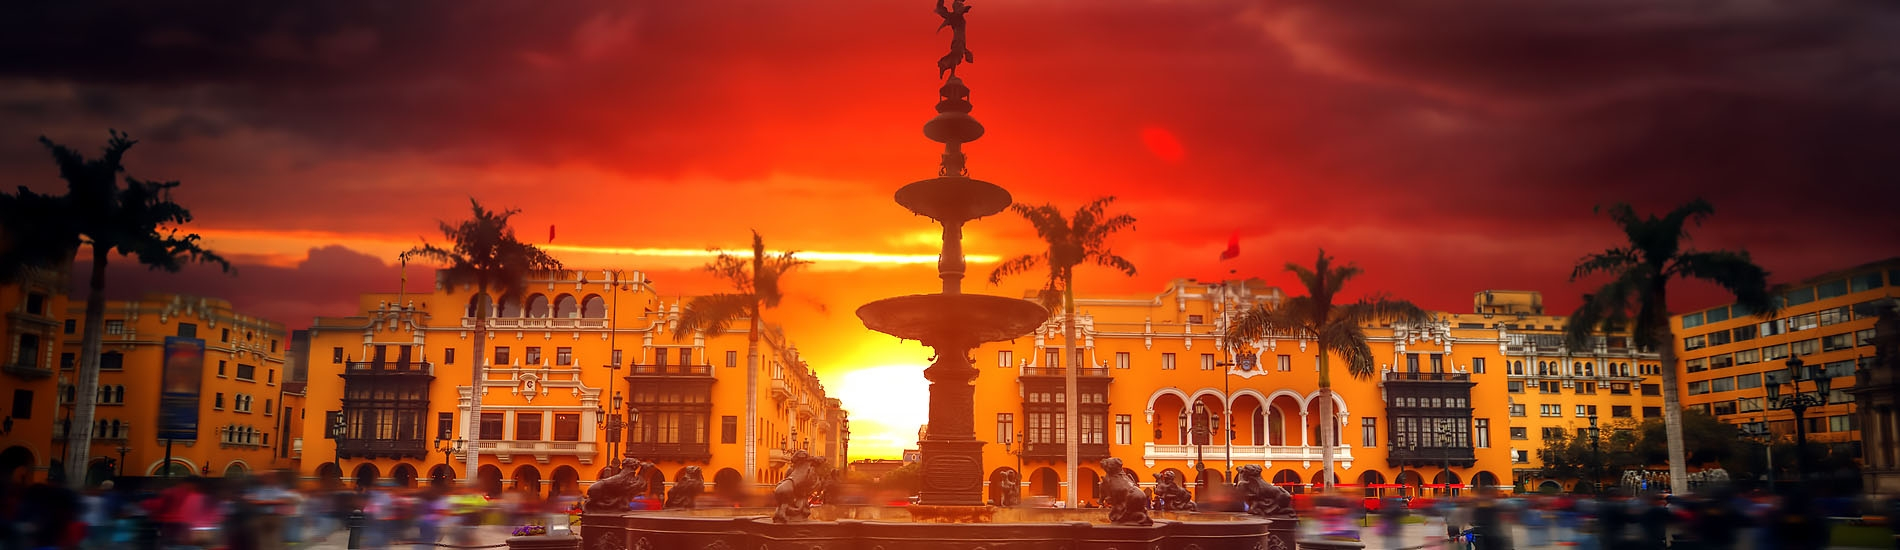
point(259, 512)
point(1715, 521)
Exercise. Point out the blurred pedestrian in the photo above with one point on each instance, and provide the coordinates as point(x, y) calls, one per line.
point(1655, 520)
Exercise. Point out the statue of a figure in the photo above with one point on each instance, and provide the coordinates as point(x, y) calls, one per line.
point(1010, 489)
point(611, 495)
point(959, 50)
point(686, 490)
point(1172, 495)
point(795, 491)
point(1264, 499)
point(1127, 505)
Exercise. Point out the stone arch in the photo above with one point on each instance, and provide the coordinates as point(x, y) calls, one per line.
point(236, 468)
point(1484, 479)
point(1550, 487)
point(477, 301)
point(1155, 397)
point(442, 475)
point(366, 475)
point(179, 468)
point(1283, 428)
point(537, 306)
point(404, 474)
point(593, 307)
point(729, 484)
point(488, 478)
point(17, 464)
point(656, 483)
point(1448, 482)
point(1167, 405)
point(1412, 480)
point(566, 307)
point(527, 479)
point(567, 481)
point(1091, 484)
point(994, 494)
point(329, 476)
point(1289, 480)
point(1045, 482)
point(510, 306)
point(1370, 478)
point(1249, 419)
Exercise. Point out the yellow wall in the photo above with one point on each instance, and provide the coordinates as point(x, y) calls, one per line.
point(30, 381)
point(630, 317)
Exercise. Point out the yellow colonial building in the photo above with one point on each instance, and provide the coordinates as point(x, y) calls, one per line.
point(582, 368)
point(34, 328)
point(1466, 399)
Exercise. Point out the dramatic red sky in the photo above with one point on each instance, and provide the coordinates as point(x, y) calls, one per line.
point(1446, 147)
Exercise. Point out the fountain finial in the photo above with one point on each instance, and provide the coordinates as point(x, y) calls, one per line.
point(959, 51)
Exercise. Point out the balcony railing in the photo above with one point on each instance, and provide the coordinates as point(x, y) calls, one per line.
point(351, 448)
point(1458, 456)
point(424, 368)
point(668, 451)
point(1088, 452)
point(29, 372)
point(1403, 376)
point(670, 370)
point(539, 323)
point(781, 388)
point(508, 450)
point(1062, 371)
point(1250, 453)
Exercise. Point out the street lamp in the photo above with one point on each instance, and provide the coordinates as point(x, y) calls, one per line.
point(448, 446)
point(612, 423)
point(1761, 431)
point(1009, 447)
point(123, 449)
point(1596, 458)
point(337, 429)
point(1798, 403)
point(1203, 422)
point(1445, 440)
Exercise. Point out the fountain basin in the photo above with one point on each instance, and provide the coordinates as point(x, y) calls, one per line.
point(889, 528)
point(969, 318)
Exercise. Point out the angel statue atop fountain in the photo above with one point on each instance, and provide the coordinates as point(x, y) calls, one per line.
point(959, 51)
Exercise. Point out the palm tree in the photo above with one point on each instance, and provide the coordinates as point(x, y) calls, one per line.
point(1642, 269)
point(1338, 330)
point(484, 250)
point(138, 219)
point(755, 284)
point(1081, 238)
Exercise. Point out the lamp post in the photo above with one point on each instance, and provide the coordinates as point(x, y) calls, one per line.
point(1203, 422)
point(1009, 447)
point(445, 444)
point(337, 429)
point(123, 449)
point(1798, 403)
point(1445, 440)
point(1760, 431)
point(613, 425)
point(1596, 458)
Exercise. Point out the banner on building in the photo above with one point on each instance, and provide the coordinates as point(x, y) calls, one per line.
point(178, 397)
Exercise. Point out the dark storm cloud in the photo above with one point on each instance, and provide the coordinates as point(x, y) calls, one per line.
point(328, 282)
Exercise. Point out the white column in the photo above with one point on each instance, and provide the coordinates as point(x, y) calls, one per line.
point(1306, 431)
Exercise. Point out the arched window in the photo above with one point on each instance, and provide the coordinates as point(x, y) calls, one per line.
point(566, 307)
point(478, 300)
point(118, 394)
point(593, 307)
point(538, 306)
point(510, 307)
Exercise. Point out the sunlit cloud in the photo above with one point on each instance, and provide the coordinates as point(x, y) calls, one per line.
point(888, 404)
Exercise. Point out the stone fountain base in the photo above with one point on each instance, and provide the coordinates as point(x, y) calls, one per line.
point(893, 528)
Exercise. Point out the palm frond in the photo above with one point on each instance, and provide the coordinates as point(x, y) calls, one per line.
point(1296, 315)
point(1606, 310)
point(1380, 309)
point(1348, 342)
point(1608, 261)
point(1117, 263)
point(1016, 265)
point(1261, 321)
point(1735, 272)
point(712, 314)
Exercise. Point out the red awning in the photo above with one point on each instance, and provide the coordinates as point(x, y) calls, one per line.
point(1386, 486)
point(1442, 486)
point(1292, 484)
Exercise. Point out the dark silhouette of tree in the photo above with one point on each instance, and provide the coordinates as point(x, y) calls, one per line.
point(1081, 238)
point(1338, 329)
point(1640, 272)
point(97, 213)
point(755, 284)
point(483, 250)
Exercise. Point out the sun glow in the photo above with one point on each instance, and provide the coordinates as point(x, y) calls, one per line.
point(888, 404)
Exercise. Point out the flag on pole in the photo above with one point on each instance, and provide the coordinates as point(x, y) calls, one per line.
point(1233, 247)
point(550, 233)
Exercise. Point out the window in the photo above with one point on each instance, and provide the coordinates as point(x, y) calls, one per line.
point(533, 356)
point(1744, 333)
point(1006, 427)
point(1586, 388)
point(1619, 388)
point(1797, 297)
point(67, 361)
point(1586, 411)
point(732, 358)
point(1748, 404)
point(1835, 342)
point(1369, 432)
point(1698, 387)
point(1747, 357)
point(1550, 433)
point(1123, 360)
point(1722, 384)
point(501, 356)
point(115, 327)
point(1517, 409)
point(247, 372)
point(567, 426)
point(1772, 328)
point(1831, 289)
point(444, 425)
point(1833, 316)
point(1695, 365)
point(1124, 429)
point(1286, 363)
point(1864, 337)
point(1481, 433)
point(1515, 386)
point(565, 356)
point(1167, 361)
point(1695, 342)
point(1748, 381)
point(273, 345)
point(1004, 358)
point(336, 355)
point(527, 426)
point(1477, 365)
point(1718, 338)
point(686, 356)
point(1804, 347)
point(1716, 315)
point(72, 325)
point(1550, 411)
point(1692, 320)
point(1520, 433)
point(1053, 358)
point(1411, 362)
point(1722, 361)
point(1842, 423)
point(218, 402)
point(1863, 282)
point(1047, 427)
point(1195, 319)
point(1207, 361)
point(1775, 352)
point(728, 429)
point(1652, 412)
point(448, 356)
point(491, 425)
point(1803, 322)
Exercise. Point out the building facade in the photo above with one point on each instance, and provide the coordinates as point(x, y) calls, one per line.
point(1466, 399)
point(583, 368)
point(1730, 357)
point(34, 330)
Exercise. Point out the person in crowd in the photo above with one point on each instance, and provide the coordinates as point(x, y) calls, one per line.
point(101, 514)
point(1654, 520)
point(1392, 521)
point(431, 512)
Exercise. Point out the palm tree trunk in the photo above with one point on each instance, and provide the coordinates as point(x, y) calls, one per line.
point(477, 372)
point(1327, 424)
point(1072, 449)
point(1672, 410)
point(79, 434)
point(752, 399)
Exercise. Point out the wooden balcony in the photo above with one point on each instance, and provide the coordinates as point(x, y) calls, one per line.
point(1083, 372)
point(669, 370)
point(1243, 453)
point(669, 451)
point(379, 448)
point(1430, 456)
point(27, 372)
point(1406, 376)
